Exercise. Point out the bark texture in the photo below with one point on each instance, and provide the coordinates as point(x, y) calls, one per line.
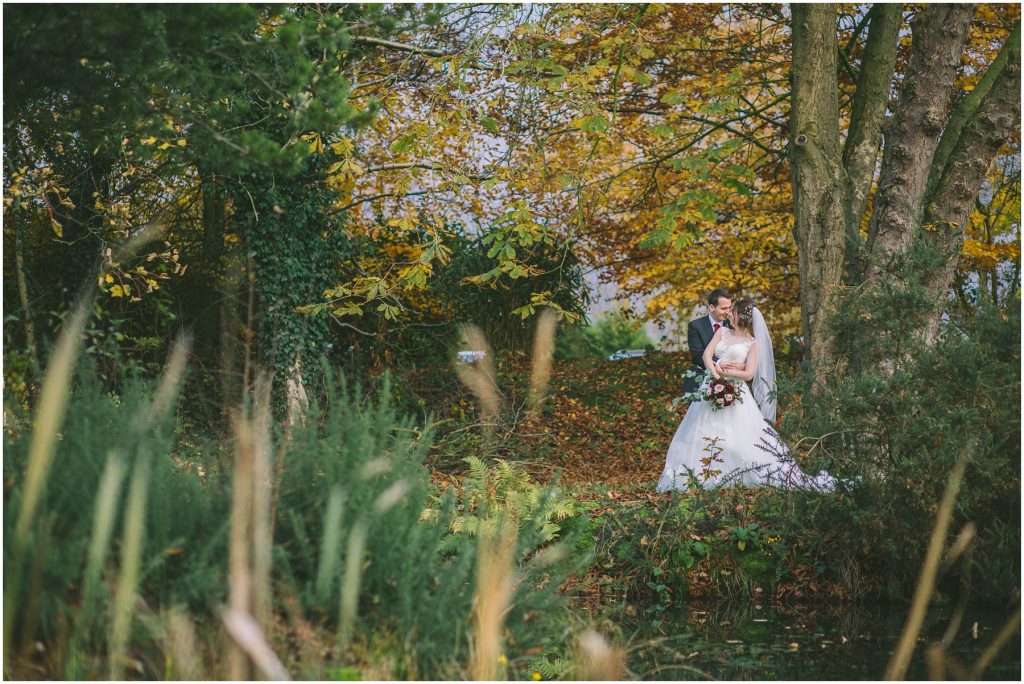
point(818, 176)
point(990, 127)
point(923, 110)
point(867, 117)
point(967, 108)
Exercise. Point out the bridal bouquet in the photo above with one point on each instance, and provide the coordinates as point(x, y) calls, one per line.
point(718, 393)
point(721, 393)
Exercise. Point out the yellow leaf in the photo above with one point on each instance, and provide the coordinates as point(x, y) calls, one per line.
point(164, 146)
point(116, 291)
point(148, 141)
point(316, 145)
point(109, 278)
point(181, 142)
point(343, 146)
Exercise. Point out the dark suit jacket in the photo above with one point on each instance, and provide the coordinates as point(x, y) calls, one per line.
point(698, 335)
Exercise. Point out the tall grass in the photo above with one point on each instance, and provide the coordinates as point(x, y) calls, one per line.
point(124, 561)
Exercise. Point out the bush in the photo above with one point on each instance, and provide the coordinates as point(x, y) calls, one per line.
point(899, 418)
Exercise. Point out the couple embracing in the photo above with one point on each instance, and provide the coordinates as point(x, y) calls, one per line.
point(718, 445)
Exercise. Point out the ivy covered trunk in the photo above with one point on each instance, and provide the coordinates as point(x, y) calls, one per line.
point(295, 251)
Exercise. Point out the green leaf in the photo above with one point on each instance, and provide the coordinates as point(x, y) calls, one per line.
point(490, 125)
point(594, 124)
point(663, 131)
point(658, 237)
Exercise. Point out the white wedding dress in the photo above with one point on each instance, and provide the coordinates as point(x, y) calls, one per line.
point(745, 448)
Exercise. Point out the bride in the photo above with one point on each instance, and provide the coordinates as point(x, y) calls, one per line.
point(737, 444)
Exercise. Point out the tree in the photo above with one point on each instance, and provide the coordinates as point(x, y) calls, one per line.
point(935, 156)
point(193, 119)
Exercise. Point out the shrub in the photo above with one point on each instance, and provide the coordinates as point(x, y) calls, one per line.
point(900, 416)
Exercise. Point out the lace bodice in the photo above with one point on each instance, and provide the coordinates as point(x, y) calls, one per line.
point(731, 348)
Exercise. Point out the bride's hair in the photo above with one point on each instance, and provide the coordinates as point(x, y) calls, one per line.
point(744, 310)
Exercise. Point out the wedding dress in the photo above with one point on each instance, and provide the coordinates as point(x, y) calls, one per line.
point(736, 443)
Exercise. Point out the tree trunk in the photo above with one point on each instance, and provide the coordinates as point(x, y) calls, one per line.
point(868, 115)
point(214, 213)
point(923, 111)
point(818, 178)
point(30, 326)
point(992, 124)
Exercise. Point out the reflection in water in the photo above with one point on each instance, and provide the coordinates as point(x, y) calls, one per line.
point(753, 641)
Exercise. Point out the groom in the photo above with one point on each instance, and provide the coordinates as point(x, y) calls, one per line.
point(701, 330)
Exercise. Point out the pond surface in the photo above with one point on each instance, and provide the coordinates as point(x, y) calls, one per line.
point(751, 642)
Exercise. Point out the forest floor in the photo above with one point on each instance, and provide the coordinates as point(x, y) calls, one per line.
point(603, 430)
point(602, 436)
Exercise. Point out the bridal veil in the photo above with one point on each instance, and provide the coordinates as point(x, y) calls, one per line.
point(763, 385)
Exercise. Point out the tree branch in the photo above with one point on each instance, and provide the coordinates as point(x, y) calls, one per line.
point(984, 134)
point(911, 140)
point(966, 109)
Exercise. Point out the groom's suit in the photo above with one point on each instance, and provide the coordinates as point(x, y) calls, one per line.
point(698, 336)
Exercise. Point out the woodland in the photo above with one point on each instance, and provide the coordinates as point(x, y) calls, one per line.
point(245, 244)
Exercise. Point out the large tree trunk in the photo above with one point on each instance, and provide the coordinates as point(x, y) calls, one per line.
point(860, 152)
point(992, 124)
point(922, 112)
point(818, 178)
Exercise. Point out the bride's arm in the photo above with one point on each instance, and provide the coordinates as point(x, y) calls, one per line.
point(709, 353)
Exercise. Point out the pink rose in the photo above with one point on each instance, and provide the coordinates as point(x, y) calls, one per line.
point(728, 397)
point(719, 388)
point(719, 401)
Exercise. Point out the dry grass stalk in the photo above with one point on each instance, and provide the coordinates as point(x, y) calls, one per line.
point(246, 633)
point(107, 500)
point(131, 562)
point(251, 544)
point(239, 572)
point(354, 556)
point(543, 352)
point(479, 376)
point(262, 535)
point(330, 545)
point(167, 391)
point(181, 646)
point(494, 586)
point(53, 400)
point(599, 660)
point(900, 660)
point(351, 582)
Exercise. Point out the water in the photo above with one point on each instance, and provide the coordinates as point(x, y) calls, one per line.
point(807, 643)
